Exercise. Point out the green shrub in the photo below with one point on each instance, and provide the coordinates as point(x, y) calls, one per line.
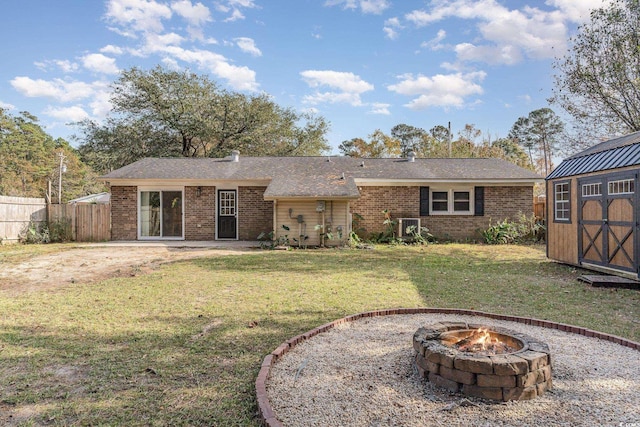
point(34, 233)
point(523, 229)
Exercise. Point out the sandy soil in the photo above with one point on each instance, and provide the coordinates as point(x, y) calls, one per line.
point(91, 263)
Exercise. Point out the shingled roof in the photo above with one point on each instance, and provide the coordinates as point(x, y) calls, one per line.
point(319, 176)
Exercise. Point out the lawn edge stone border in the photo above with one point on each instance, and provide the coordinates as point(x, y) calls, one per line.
point(268, 416)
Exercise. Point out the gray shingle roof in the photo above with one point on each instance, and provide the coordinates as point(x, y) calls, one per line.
point(615, 153)
point(319, 176)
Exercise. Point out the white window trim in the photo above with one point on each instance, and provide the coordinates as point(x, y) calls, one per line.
point(139, 209)
point(450, 201)
point(557, 202)
point(620, 183)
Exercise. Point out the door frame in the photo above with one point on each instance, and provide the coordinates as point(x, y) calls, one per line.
point(217, 207)
point(139, 212)
point(605, 199)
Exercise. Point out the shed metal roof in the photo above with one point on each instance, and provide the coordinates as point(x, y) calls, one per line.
point(615, 153)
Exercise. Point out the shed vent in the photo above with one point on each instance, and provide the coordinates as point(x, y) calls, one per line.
point(404, 223)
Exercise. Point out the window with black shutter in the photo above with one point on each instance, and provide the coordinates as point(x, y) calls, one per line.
point(424, 201)
point(478, 206)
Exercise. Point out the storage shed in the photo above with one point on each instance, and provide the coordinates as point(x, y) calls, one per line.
point(593, 214)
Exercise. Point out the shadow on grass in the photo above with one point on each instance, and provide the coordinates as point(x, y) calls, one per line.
point(182, 346)
point(200, 372)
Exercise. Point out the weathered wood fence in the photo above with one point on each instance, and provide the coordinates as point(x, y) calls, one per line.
point(17, 212)
point(540, 206)
point(83, 222)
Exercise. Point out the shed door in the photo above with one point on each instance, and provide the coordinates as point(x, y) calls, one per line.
point(608, 222)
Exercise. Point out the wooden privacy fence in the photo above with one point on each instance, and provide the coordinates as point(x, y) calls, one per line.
point(540, 206)
point(84, 222)
point(17, 212)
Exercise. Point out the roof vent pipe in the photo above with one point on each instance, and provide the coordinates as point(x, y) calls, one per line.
point(411, 156)
point(235, 156)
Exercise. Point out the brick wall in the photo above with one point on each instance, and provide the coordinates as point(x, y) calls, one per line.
point(404, 202)
point(255, 215)
point(124, 213)
point(200, 213)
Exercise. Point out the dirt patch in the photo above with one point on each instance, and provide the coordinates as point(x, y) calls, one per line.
point(92, 263)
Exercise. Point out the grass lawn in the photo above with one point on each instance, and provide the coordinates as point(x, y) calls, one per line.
point(182, 346)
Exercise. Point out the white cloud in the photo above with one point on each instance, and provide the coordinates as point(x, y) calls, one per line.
point(195, 14)
point(577, 10)
point(434, 43)
point(159, 42)
point(133, 16)
point(58, 89)
point(450, 90)
point(507, 35)
point(348, 87)
point(101, 103)
point(248, 45)
point(7, 106)
point(171, 64)
point(100, 63)
point(508, 55)
point(239, 78)
point(114, 50)
point(236, 15)
point(375, 7)
point(68, 114)
point(234, 6)
point(347, 82)
point(380, 108)
point(390, 26)
point(64, 65)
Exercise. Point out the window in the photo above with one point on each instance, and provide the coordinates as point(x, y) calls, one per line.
point(561, 202)
point(440, 201)
point(591, 190)
point(621, 186)
point(451, 202)
point(461, 201)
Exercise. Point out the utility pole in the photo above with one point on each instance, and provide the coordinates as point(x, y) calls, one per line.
point(62, 168)
point(449, 132)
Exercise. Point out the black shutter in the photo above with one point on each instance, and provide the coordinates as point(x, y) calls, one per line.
point(424, 201)
point(479, 201)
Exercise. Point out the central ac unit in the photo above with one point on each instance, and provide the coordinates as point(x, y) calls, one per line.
point(404, 223)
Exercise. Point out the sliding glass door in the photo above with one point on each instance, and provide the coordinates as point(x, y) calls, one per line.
point(161, 214)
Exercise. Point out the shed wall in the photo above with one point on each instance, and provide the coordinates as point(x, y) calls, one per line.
point(562, 237)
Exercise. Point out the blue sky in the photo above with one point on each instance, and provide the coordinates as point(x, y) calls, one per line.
point(362, 64)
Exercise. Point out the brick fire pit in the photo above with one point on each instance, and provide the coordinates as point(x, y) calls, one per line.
point(518, 369)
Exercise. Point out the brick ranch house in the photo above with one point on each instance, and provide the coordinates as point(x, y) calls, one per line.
point(238, 198)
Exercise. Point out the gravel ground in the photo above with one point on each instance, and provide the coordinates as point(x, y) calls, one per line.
point(361, 374)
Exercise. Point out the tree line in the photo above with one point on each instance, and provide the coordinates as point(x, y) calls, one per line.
point(166, 113)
